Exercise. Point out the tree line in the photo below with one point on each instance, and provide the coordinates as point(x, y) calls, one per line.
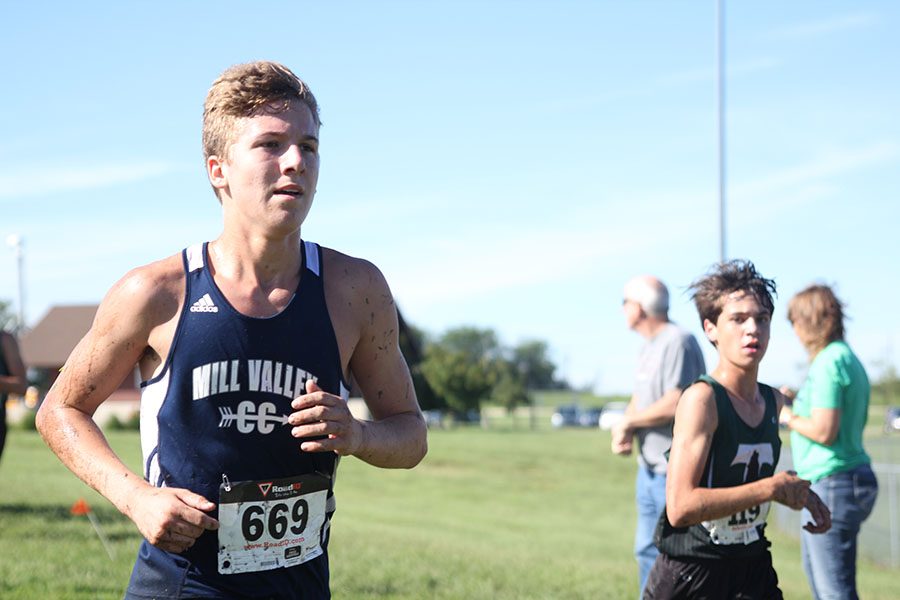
point(466, 366)
point(456, 371)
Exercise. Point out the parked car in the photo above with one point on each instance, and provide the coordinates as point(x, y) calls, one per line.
point(468, 417)
point(433, 418)
point(590, 417)
point(565, 416)
point(574, 415)
point(611, 414)
point(892, 419)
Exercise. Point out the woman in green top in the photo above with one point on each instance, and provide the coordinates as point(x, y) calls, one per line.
point(826, 423)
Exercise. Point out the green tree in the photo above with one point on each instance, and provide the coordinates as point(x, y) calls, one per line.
point(510, 390)
point(533, 365)
point(462, 367)
point(8, 319)
point(886, 389)
point(478, 344)
point(412, 343)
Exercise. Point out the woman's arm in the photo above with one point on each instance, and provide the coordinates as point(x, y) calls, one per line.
point(821, 426)
point(15, 382)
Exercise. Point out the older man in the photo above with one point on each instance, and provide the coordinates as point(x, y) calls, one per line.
point(669, 362)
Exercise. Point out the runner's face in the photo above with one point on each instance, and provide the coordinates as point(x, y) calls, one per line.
point(271, 170)
point(741, 333)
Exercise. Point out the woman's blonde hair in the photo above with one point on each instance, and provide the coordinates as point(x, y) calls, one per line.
point(818, 316)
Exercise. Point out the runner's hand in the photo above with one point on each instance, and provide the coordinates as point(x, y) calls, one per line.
point(319, 414)
point(172, 518)
point(788, 392)
point(790, 490)
point(820, 514)
point(785, 416)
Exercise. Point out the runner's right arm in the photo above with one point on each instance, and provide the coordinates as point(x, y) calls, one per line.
point(170, 518)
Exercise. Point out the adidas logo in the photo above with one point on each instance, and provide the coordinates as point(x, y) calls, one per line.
point(204, 304)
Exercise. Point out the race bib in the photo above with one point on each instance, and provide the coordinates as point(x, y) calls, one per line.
point(739, 528)
point(271, 524)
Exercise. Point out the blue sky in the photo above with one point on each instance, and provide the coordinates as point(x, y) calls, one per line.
point(506, 164)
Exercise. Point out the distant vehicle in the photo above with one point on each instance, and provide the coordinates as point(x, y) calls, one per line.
point(612, 413)
point(892, 419)
point(565, 416)
point(573, 415)
point(469, 416)
point(590, 417)
point(433, 418)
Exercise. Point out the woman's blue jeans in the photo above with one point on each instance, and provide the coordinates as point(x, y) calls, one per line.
point(829, 558)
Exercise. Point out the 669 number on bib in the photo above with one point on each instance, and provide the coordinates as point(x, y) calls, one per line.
point(271, 524)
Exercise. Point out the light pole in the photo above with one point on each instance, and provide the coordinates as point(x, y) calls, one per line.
point(720, 104)
point(17, 243)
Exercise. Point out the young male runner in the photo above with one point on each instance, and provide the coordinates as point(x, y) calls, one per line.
point(721, 479)
point(246, 345)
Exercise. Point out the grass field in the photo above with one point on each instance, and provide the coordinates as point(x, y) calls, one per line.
point(501, 513)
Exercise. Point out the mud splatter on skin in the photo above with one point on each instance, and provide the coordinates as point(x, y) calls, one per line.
point(387, 339)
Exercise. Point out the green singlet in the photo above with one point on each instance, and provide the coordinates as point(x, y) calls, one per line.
point(738, 454)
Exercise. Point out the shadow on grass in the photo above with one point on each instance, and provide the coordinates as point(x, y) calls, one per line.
point(56, 511)
point(35, 510)
point(120, 528)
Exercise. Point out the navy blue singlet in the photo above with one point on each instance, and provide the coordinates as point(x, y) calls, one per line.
point(219, 408)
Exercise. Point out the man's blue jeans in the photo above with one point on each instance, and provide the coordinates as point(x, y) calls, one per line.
point(650, 495)
point(829, 558)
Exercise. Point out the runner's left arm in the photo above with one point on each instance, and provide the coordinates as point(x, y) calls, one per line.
point(396, 438)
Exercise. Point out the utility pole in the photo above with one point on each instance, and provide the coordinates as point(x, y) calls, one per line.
point(17, 243)
point(720, 102)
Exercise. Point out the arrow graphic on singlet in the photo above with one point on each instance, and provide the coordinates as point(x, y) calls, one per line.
point(229, 418)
